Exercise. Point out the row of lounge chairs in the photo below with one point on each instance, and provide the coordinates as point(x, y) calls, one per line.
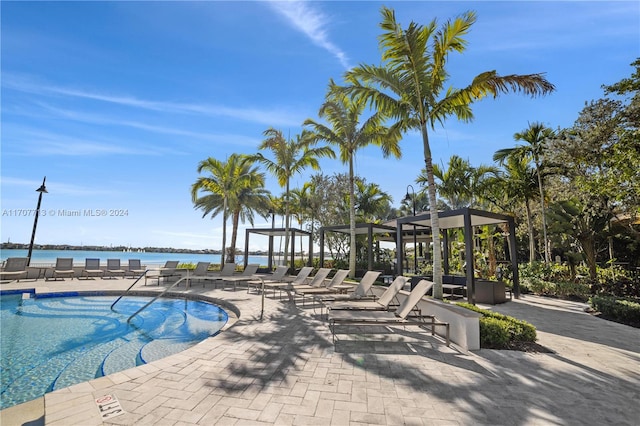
point(16, 268)
point(359, 307)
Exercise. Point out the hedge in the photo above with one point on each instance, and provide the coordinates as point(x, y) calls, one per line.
point(497, 331)
point(624, 310)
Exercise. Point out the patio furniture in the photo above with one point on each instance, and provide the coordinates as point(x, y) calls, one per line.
point(382, 303)
point(91, 268)
point(332, 287)
point(114, 269)
point(14, 268)
point(135, 269)
point(276, 277)
point(364, 318)
point(63, 268)
point(167, 271)
point(246, 275)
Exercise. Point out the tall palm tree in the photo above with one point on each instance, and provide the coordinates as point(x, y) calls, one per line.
point(233, 187)
point(518, 182)
point(348, 133)
point(289, 157)
point(536, 136)
point(410, 87)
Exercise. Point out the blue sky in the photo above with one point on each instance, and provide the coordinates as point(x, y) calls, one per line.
point(117, 102)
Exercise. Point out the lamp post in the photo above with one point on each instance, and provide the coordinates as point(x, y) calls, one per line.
point(41, 190)
point(412, 198)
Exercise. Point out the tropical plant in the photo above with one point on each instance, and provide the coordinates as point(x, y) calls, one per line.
point(518, 182)
point(233, 187)
point(346, 131)
point(537, 135)
point(289, 157)
point(410, 87)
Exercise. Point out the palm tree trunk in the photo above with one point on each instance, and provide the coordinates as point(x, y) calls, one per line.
point(433, 210)
point(544, 216)
point(286, 226)
point(224, 233)
point(234, 236)
point(532, 242)
point(352, 221)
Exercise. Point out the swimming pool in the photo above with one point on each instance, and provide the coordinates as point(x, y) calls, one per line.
point(49, 343)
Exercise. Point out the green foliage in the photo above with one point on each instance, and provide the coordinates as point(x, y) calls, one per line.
point(624, 310)
point(498, 330)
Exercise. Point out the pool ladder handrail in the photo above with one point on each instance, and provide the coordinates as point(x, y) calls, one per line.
point(157, 297)
point(130, 287)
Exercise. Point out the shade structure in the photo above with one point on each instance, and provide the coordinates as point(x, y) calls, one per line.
point(466, 218)
point(278, 232)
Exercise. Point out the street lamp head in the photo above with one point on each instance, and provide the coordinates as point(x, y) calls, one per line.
point(42, 187)
point(407, 198)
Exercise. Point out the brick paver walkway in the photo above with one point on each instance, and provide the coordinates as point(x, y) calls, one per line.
point(285, 370)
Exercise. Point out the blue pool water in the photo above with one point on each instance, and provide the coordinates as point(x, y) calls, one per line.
point(49, 343)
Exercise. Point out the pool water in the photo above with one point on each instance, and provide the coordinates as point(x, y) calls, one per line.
point(54, 342)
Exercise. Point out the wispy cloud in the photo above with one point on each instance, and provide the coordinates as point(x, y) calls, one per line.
point(312, 23)
point(273, 116)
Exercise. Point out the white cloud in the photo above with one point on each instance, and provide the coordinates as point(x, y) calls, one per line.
point(312, 23)
point(272, 116)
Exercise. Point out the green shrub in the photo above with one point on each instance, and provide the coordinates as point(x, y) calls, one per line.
point(495, 326)
point(494, 333)
point(624, 310)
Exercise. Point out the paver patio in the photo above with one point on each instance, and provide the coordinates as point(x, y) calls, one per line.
point(285, 370)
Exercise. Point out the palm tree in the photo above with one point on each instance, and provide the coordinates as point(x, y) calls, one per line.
point(518, 182)
point(536, 136)
point(410, 87)
point(349, 135)
point(233, 187)
point(290, 157)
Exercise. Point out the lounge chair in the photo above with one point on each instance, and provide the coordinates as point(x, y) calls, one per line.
point(317, 281)
point(168, 270)
point(246, 275)
point(334, 286)
point(381, 304)
point(199, 273)
point(227, 271)
point(114, 269)
point(362, 290)
point(14, 268)
point(135, 269)
point(92, 268)
point(63, 268)
point(282, 285)
point(276, 277)
point(401, 316)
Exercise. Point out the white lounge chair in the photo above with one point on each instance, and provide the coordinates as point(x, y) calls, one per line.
point(14, 269)
point(364, 318)
point(63, 268)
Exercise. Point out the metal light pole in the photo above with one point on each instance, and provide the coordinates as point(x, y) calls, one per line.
point(415, 240)
point(41, 190)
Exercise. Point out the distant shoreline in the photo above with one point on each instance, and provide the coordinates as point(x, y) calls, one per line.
point(19, 246)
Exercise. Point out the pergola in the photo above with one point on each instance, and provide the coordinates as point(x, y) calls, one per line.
point(465, 218)
point(278, 232)
point(361, 229)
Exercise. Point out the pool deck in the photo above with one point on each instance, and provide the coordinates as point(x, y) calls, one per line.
point(285, 370)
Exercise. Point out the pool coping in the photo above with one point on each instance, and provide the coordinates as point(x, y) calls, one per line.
point(32, 412)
